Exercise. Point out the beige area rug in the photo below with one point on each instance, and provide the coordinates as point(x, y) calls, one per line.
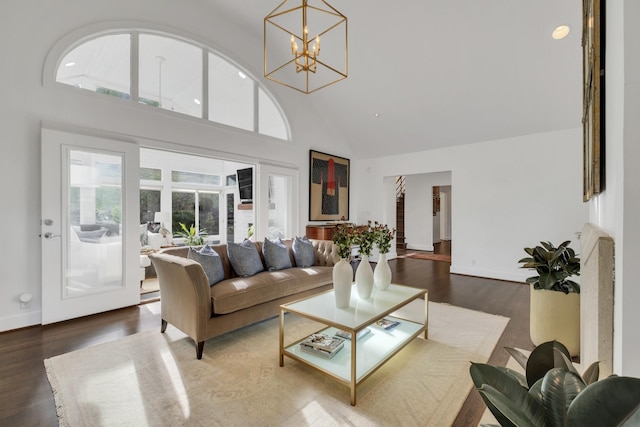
point(154, 379)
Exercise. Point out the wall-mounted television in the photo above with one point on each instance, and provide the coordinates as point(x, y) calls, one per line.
point(245, 184)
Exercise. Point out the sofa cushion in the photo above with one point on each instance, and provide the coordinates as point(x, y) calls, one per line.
point(303, 252)
point(276, 254)
point(210, 261)
point(244, 258)
point(240, 292)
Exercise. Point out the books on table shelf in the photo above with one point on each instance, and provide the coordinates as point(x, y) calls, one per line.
point(347, 336)
point(322, 345)
point(387, 324)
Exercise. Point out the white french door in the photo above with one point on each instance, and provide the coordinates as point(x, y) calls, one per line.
point(89, 227)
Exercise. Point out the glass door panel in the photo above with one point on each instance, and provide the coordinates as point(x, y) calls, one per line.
point(279, 210)
point(94, 254)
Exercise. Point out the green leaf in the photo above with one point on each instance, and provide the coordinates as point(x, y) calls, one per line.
point(517, 409)
point(543, 358)
point(518, 356)
point(484, 375)
point(535, 391)
point(613, 401)
point(592, 373)
point(547, 245)
point(559, 388)
point(564, 362)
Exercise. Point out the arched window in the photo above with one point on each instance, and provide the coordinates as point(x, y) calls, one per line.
point(173, 74)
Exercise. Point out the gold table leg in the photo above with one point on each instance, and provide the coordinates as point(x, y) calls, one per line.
point(426, 316)
point(353, 368)
point(281, 337)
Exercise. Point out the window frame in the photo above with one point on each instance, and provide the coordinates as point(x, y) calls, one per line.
point(75, 39)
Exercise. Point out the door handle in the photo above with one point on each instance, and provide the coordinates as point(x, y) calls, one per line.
point(49, 235)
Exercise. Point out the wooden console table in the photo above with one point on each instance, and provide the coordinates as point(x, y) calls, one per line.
point(320, 232)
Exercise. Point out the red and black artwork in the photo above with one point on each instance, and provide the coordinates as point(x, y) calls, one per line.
point(328, 187)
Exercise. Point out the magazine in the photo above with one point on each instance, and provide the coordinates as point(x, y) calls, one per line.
point(323, 342)
point(387, 324)
point(319, 352)
point(347, 336)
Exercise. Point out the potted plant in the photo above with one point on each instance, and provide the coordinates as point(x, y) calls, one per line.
point(555, 298)
point(382, 236)
point(553, 393)
point(343, 238)
point(191, 236)
point(365, 239)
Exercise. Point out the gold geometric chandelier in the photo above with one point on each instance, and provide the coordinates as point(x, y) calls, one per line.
point(292, 36)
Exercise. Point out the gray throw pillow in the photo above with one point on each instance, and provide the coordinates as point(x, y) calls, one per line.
point(210, 261)
point(303, 252)
point(276, 254)
point(244, 258)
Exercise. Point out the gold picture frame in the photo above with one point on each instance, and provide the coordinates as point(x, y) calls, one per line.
point(328, 187)
point(593, 100)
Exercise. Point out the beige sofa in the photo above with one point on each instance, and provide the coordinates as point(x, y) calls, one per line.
point(203, 312)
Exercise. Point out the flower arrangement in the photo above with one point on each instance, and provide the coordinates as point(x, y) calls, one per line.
point(365, 238)
point(345, 235)
point(383, 237)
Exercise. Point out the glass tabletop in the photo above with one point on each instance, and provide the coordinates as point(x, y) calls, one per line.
point(360, 313)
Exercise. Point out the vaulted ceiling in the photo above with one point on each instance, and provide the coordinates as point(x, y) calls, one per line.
point(446, 72)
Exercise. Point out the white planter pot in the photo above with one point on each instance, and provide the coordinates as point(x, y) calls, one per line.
point(364, 279)
point(382, 273)
point(342, 281)
point(555, 316)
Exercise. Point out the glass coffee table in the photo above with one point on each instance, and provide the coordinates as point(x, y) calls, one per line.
point(353, 364)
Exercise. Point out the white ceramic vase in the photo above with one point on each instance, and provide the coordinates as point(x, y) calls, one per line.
point(364, 278)
point(382, 273)
point(342, 281)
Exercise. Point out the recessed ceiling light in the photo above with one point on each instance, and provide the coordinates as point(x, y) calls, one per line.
point(69, 64)
point(376, 114)
point(242, 75)
point(560, 32)
point(196, 100)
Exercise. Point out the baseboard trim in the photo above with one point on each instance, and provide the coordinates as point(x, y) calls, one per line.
point(19, 321)
point(420, 247)
point(488, 274)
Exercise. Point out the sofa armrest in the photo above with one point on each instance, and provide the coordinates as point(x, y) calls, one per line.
point(185, 294)
point(326, 252)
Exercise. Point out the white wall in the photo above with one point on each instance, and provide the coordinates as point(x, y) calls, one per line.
point(506, 195)
point(617, 209)
point(418, 209)
point(28, 102)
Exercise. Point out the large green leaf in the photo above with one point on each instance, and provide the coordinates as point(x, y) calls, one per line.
point(518, 356)
point(592, 373)
point(535, 391)
point(559, 388)
point(613, 401)
point(499, 379)
point(562, 361)
point(517, 409)
point(543, 358)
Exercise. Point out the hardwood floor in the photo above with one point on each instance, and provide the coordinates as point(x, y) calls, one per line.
point(26, 398)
